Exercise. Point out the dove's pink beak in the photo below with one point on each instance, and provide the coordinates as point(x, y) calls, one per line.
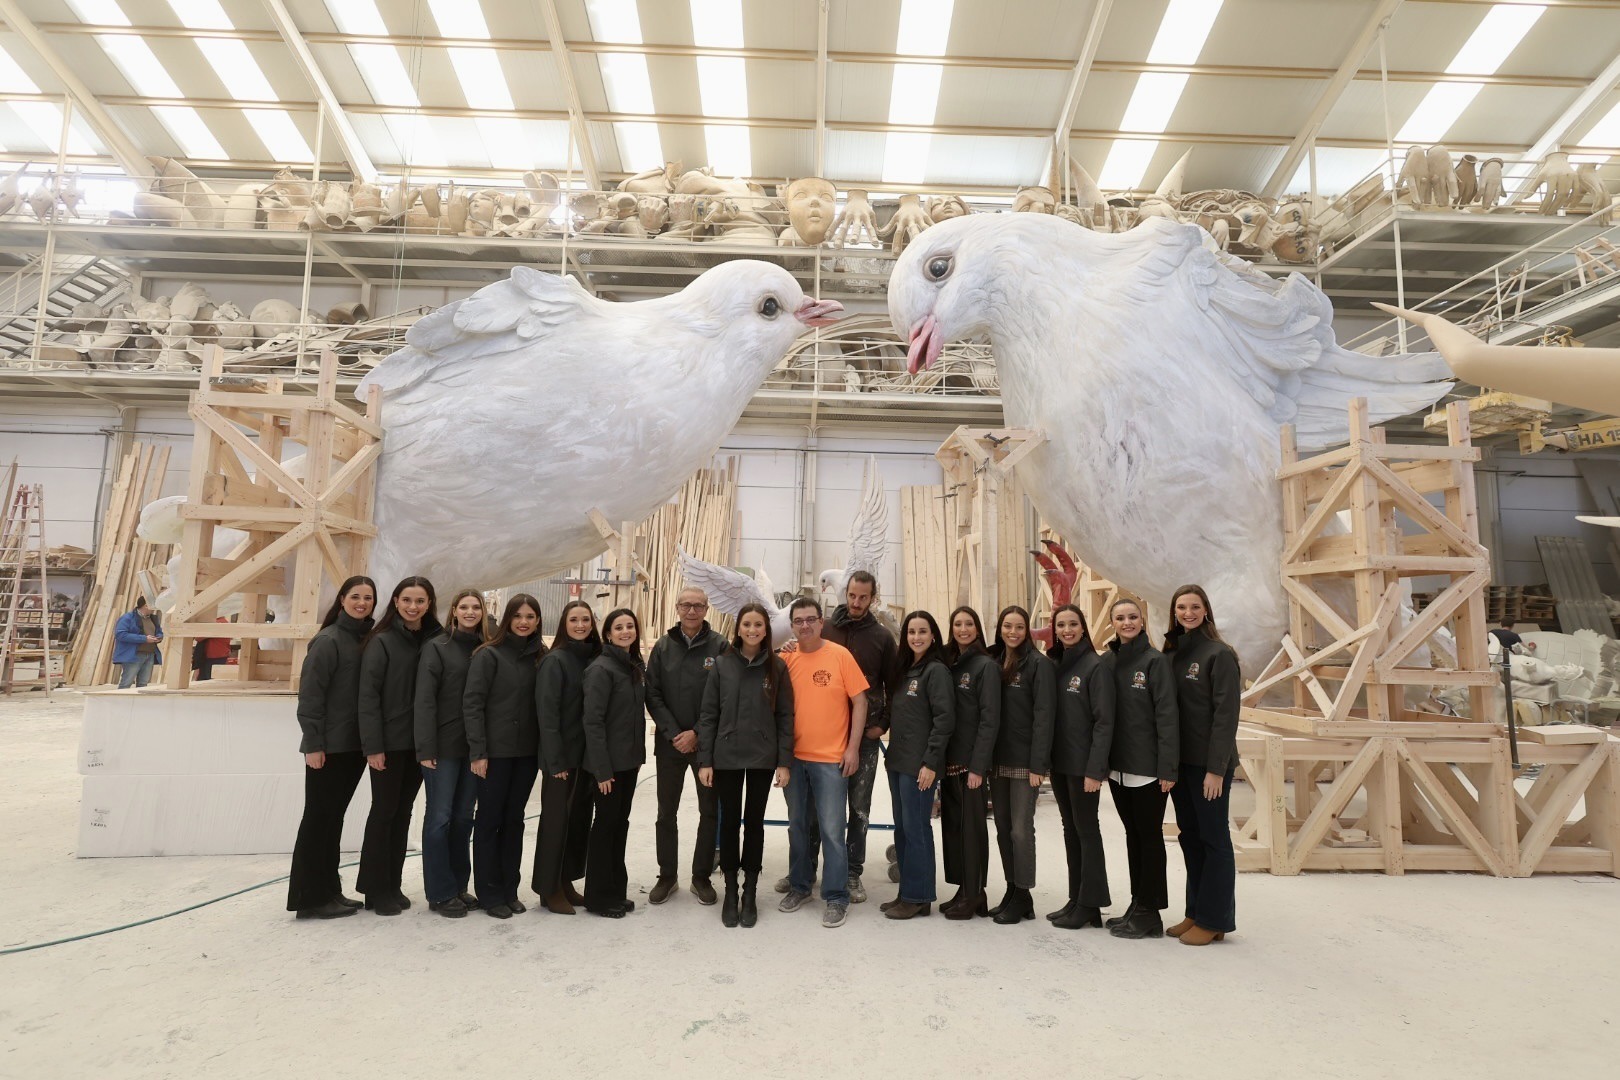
point(925, 345)
point(818, 312)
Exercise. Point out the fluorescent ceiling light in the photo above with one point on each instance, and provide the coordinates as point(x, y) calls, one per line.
point(723, 85)
point(626, 82)
point(1606, 132)
point(1179, 40)
point(924, 30)
point(1497, 35)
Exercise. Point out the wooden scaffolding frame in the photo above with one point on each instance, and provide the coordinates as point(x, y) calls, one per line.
point(318, 523)
point(978, 465)
point(1349, 777)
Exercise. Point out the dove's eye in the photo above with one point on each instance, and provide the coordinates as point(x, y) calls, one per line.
point(939, 268)
point(769, 307)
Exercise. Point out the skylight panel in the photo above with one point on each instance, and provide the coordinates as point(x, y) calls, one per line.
point(189, 130)
point(1179, 40)
point(723, 85)
point(43, 117)
point(1497, 35)
point(925, 29)
point(280, 135)
point(626, 82)
point(13, 79)
point(100, 12)
point(201, 15)
point(1606, 132)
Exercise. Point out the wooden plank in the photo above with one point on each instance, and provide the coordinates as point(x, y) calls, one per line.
point(1456, 818)
point(1562, 734)
point(1334, 800)
point(1275, 831)
point(1556, 813)
point(1326, 509)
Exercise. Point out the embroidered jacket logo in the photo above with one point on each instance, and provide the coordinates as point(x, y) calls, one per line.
point(965, 682)
point(708, 662)
point(1192, 670)
point(1139, 681)
point(911, 688)
point(1074, 684)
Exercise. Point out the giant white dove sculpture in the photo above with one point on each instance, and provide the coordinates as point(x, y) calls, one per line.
point(1160, 371)
point(516, 411)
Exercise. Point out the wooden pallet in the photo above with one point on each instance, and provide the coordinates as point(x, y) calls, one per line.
point(318, 523)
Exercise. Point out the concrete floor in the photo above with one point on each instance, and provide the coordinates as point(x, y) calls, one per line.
point(1329, 975)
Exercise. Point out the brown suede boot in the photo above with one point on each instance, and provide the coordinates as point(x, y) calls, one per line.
point(557, 903)
point(1180, 928)
point(1199, 936)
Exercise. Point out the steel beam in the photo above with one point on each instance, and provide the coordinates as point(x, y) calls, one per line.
point(348, 139)
point(576, 110)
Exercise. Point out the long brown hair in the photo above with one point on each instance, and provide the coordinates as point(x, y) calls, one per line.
point(449, 623)
point(955, 652)
point(430, 620)
point(638, 668)
point(1010, 656)
point(513, 606)
point(1173, 632)
point(348, 586)
point(1058, 649)
point(561, 636)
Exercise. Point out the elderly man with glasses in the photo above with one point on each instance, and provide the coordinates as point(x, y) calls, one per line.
point(829, 717)
point(677, 669)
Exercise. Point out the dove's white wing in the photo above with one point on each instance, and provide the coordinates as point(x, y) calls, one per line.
point(1272, 337)
point(729, 590)
point(869, 531)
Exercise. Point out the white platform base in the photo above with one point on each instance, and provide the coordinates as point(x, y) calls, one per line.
point(195, 773)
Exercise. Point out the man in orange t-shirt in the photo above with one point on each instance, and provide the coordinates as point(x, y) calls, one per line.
point(829, 715)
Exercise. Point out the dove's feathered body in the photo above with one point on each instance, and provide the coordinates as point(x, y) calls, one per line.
point(1160, 372)
point(517, 410)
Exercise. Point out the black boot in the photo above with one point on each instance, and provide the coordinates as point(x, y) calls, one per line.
point(1079, 917)
point(954, 901)
point(1006, 897)
point(1062, 911)
point(1120, 920)
point(750, 909)
point(1019, 906)
point(1143, 923)
point(728, 910)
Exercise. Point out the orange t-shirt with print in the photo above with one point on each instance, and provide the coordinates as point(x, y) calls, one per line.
point(823, 683)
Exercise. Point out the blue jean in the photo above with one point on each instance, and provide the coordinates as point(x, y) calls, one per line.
point(913, 837)
point(137, 672)
point(819, 788)
point(1206, 846)
point(447, 825)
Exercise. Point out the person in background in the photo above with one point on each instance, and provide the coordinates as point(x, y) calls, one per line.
point(1023, 757)
point(503, 740)
point(678, 669)
point(329, 716)
point(206, 653)
point(829, 714)
point(1510, 641)
point(441, 749)
point(566, 791)
point(854, 626)
point(745, 737)
point(615, 719)
point(1208, 685)
point(921, 716)
point(1081, 739)
point(135, 644)
point(1143, 764)
point(968, 761)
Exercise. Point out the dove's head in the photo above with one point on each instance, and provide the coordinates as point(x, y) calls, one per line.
point(943, 286)
point(757, 308)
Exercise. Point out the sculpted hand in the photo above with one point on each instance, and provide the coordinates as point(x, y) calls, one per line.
point(855, 221)
point(907, 224)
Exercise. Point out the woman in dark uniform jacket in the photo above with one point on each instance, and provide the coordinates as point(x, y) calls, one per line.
point(503, 740)
point(922, 713)
point(1080, 745)
point(565, 790)
point(1142, 760)
point(964, 834)
point(615, 748)
point(745, 738)
point(1023, 757)
point(328, 713)
point(441, 747)
point(1208, 682)
point(388, 663)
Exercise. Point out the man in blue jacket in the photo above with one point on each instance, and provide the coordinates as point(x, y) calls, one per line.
point(135, 644)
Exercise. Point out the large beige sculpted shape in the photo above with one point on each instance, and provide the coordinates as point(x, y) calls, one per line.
point(811, 203)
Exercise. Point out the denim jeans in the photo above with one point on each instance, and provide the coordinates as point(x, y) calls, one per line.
point(137, 672)
point(913, 837)
point(1206, 846)
point(819, 788)
point(859, 789)
point(503, 794)
point(447, 824)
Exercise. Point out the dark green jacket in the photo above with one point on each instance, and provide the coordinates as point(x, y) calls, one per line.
point(922, 715)
point(329, 688)
point(498, 706)
point(1147, 732)
point(677, 672)
point(388, 688)
point(747, 717)
point(978, 712)
point(1208, 685)
point(615, 714)
point(1028, 703)
point(441, 684)
point(559, 698)
point(1085, 714)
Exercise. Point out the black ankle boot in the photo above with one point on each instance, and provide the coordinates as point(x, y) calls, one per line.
point(1019, 906)
point(1079, 917)
point(750, 909)
point(1006, 898)
point(954, 901)
point(728, 910)
point(1119, 920)
point(1062, 911)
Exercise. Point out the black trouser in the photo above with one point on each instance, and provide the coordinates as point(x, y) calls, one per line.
point(313, 879)
point(671, 786)
point(745, 814)
point(1014, 806)
point(1206, 846)
point(1082, 840)
point(388, 826)
point(498, 828)
point(565, 830)
point(1141, 811)
point(607, 882)
point(966, 834)
point(860, 810)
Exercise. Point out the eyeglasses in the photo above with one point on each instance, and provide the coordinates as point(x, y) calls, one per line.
point(810, 620)
point(691, 607)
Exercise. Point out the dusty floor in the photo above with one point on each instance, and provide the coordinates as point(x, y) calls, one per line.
point(1329, 976)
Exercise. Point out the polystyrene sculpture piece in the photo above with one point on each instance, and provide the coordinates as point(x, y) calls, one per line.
point(516, 411)
point(1160, 372)
point(856, 223)
point(811, 202)
point(1442, 178)
point(908, 223)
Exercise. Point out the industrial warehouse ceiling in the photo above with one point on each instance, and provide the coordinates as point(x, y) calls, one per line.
point(889, 94)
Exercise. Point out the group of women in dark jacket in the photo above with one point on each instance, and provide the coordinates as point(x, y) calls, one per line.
point(486, 712)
